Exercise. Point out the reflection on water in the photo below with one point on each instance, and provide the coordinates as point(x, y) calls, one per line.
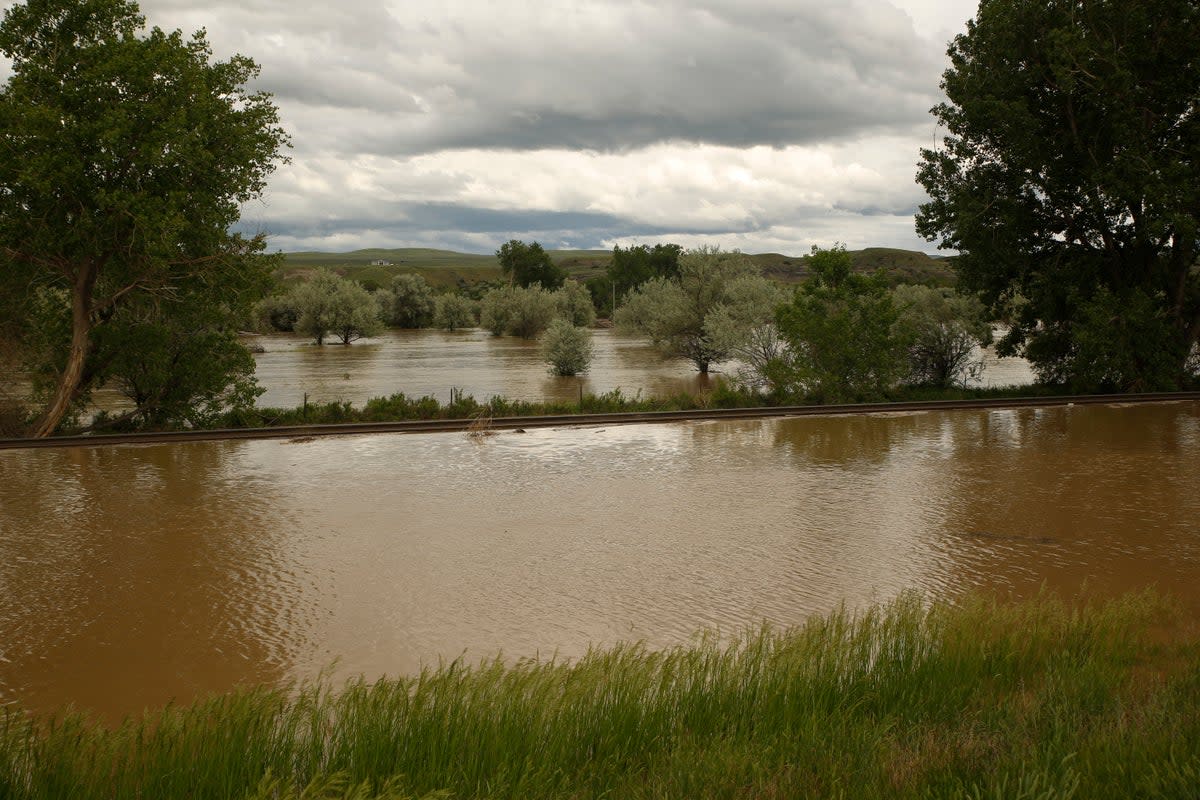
point(128, 575)
point(431, 362)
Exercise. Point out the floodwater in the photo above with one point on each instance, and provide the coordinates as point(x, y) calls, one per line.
point(432, 362)
point(133, 575)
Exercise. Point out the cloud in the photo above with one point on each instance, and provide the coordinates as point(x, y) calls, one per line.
point(470, 122)
point(609, 76)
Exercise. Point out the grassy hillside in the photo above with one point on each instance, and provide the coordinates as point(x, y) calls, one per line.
point(448, 269)
point(901, 266)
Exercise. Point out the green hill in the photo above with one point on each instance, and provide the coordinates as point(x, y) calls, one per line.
point(448, 269)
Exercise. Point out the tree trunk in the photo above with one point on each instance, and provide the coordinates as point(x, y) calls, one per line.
point(72, 374)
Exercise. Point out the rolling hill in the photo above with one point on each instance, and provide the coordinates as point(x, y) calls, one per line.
point(448, 269)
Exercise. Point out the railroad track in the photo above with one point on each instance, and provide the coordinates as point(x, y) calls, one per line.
point(561, 420)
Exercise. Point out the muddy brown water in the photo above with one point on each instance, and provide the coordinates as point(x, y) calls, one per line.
point(130, 576)
point(432, 362)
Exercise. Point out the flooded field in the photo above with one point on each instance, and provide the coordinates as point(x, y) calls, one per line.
point(133, 575)
point(429, 362)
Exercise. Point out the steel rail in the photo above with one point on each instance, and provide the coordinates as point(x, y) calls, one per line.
point(562, 420)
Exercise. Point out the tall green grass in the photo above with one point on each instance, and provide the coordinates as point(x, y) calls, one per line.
point(979, 700)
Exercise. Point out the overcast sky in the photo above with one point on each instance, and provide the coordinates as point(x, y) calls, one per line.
point(765, 125)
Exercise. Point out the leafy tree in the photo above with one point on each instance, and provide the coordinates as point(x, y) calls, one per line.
point(1070, 178)
point(413, 301)
point(453, 311)
point(180, 366)
point(123, 161)
point(527, 264)
point(943, 331)
point(567, 348)
point(674, 312)
point(632, 266)
point(330, 304)
point(840, 331)
point(575, 304)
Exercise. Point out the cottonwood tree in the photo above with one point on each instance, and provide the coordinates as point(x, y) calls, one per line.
point(527, 264)
point(840, 328)
point(124, 158)
point(1069, 181)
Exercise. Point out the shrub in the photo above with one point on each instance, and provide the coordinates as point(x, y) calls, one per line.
point(567, 348)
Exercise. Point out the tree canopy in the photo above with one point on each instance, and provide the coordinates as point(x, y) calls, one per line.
point(700, 314)
point(124, 159)
point(840, 328)
point(527, 264)
point(1069, 181)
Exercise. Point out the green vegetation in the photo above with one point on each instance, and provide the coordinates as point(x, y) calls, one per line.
point(909, 700)
point(1070, 183)
point(124, 158)
point(453, 311)
point(567, 348)
point(941, 331)
point(329, 304)
point(678, 314)
point(412, 302)
point(842, 346)
point(446, 269)
point(528, 264)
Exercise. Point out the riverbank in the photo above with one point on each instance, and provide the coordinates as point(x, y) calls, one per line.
point(1035, 699)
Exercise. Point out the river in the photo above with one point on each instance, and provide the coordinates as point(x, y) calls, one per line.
point(136, 574)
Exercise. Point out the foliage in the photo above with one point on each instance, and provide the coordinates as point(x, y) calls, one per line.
point(1070, 178)
point(413, 302)
point(277, 313)
point(633, 266)
point(674, 312)
point(453, 311)
point(329, 304)
point(974, 699)
point(124, 159)
point(943, 331)
point(567, 348)
point(745, 328)
point(527, 264)
point(575, 304)
point(518, 311)
point(177, 370)
point(841, 336)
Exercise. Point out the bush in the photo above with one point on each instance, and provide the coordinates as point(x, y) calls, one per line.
point(567, 348)
point(453, 311)
point(517, 311)
point(574, 303)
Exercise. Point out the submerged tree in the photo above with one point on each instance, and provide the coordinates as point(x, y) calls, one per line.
point(840, 328)
point(330, 304)
point(412, 301)
point(124, 158)
point(1069, 181)
point(943, 332)
point(675, 312)
point(567, 348)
